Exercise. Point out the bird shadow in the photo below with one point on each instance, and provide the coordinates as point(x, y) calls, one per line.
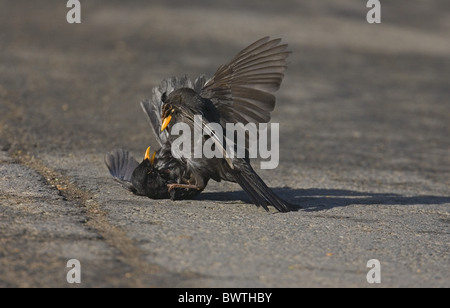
point(315, 199)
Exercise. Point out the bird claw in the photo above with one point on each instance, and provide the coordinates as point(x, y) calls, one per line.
point(171, 187)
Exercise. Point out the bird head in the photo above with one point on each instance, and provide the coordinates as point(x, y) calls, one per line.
point(183, 102)
point(144, 173)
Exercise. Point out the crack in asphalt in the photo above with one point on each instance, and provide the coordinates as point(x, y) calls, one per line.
point(96, 220)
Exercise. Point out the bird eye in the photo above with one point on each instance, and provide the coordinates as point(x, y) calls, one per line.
point(167, 110)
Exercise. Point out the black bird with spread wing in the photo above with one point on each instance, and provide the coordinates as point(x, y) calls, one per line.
point(239, 92)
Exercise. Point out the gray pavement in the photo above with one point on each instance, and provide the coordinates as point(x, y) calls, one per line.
point(364, 120)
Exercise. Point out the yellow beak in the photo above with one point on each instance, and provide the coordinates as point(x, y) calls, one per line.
point(152, 159)
point(166, 122)
point(147, 154)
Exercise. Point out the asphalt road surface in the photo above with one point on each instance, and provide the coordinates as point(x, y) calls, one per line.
point(364, 117)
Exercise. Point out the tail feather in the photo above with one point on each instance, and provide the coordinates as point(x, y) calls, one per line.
point(256, 198)
point(121, 165)
point(258, 191)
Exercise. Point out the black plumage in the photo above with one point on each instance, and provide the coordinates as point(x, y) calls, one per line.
point(239, 92)
point(153, 177)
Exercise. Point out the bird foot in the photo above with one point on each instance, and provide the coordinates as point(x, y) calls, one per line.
point(185, 186)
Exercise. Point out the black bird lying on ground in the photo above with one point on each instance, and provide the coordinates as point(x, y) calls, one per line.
point(153, 177)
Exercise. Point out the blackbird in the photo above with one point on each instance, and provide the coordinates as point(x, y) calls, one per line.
point(153, 177)
point(239, 92)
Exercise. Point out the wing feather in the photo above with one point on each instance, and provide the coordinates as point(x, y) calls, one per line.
point(242, 89)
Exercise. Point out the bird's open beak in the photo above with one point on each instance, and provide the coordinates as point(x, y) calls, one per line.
point(147, 154)
point(150, 158)
point(166, 122)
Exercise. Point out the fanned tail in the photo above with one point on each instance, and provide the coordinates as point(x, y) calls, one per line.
point(121, 165)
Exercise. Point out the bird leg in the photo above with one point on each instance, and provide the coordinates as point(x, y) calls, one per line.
point(185, 186)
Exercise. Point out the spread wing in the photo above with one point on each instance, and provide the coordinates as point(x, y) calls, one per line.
point(152, 107)
point(242, 89)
